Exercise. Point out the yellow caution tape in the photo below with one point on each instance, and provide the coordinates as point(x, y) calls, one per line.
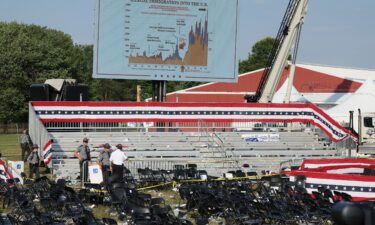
point(154, 186)
point(174, 183)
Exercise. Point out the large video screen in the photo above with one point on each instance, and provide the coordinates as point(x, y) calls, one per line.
point(181, 40)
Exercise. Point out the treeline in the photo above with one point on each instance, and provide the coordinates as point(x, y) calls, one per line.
point(31, 54)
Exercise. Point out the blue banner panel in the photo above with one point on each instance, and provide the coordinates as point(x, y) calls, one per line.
point(182, 40)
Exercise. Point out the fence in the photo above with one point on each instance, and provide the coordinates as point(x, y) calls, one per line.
point(133, 165)
point(12, 128)
point(214, 167)
point(199, 126)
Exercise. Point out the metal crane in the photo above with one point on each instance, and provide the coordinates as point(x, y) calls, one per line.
point(287, 36)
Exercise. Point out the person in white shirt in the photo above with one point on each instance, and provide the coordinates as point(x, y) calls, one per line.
point(117, 164)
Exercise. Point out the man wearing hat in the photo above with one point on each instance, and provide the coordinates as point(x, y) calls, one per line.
point(33, 161)
point(83, 154)
point(103, 162)
point(117, 164)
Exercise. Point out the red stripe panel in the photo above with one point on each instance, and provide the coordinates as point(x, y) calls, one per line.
point(360, 199)
point(327, 176)
point(331, 161)
point(47, 144)
point(327, 168)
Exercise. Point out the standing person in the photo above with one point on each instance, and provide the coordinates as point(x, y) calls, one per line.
point(25, 145)
point(117, 164)
point(83, 154)
point(33, 161)
point(103, 162)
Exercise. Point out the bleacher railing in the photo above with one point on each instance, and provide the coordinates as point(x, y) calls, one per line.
point(201, 127)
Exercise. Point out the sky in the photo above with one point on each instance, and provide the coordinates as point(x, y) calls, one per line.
point(336, 32)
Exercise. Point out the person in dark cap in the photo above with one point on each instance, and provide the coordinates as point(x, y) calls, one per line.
point(33, 161)
point(83, 154)
point(117, 164)
point(103, 162)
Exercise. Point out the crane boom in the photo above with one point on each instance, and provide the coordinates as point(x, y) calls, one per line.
point(287, 35)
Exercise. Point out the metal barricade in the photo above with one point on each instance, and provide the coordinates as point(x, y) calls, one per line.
point(133, 165)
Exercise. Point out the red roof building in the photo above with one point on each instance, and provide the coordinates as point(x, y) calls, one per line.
point(322, 85)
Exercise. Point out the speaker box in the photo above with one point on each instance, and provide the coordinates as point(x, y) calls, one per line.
point(74, 93)
point(39, 92)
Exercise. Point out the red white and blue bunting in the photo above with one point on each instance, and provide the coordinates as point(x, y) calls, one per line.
point(319, 163)
point(4, 172)
point(342, 175)
point(47, 153)
point(187, 112)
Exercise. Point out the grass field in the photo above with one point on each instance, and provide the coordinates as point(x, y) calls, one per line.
point(9, 146)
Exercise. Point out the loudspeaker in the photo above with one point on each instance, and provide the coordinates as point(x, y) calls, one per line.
point(74, 93)
point(39, 92)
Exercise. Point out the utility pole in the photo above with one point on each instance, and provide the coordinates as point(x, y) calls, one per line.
point(139, 93)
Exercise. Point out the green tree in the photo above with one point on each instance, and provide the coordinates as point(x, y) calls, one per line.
point(12, 105)
point(259, 55)
point(81, 63)
point(30, 54)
